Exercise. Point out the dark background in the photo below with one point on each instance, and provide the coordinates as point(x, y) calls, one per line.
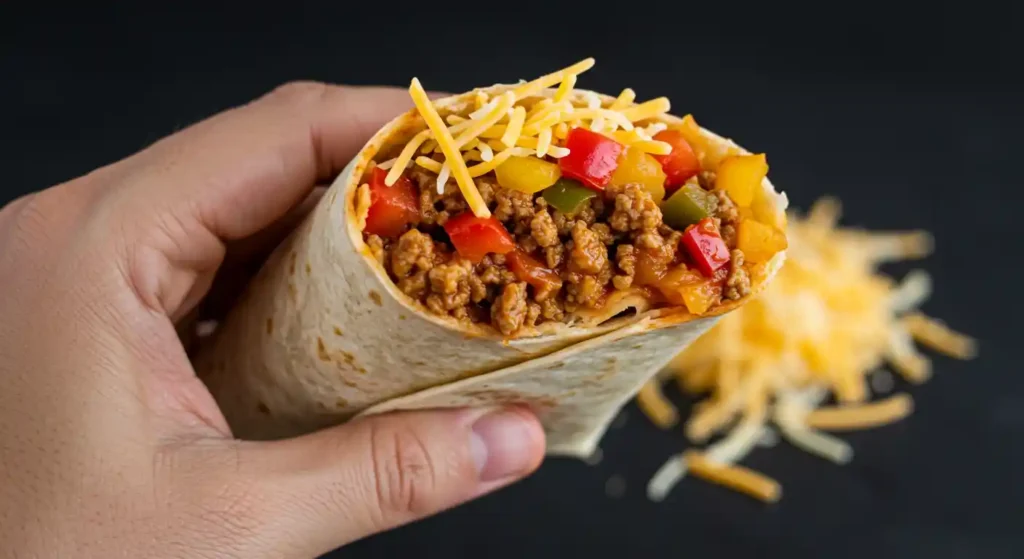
point(908, 111)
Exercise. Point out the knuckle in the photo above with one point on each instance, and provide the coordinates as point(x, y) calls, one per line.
point(301, 93)
point(406, 480)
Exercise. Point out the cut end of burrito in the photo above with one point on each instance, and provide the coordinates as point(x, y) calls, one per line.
point(516, 208)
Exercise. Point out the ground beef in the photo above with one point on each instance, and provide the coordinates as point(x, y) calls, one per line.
point(543, 229)
point(728, 217)
point(625, 259)
point(508, 313)
point(737, 284)
point(589, 255)
point(706, 179)
point(616, 241)
point(377, 248)
point(554, 255)
point(516, 206)
point(635, 209)
point(414, 250)
point(435, 209)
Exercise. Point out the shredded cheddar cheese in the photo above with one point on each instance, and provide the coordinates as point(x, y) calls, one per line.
point(443, 137)
point(529, 119)
point(734, 477)
point(656, 406)
point(822, 327)
point(886, 411)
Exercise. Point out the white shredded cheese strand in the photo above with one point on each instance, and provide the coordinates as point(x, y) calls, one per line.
point(486, 153)
point(911, 292)
point(667, 476)
point(558, 152)
point(543, 142)
point(488, 107)
point(442, 177)
point(385, 165)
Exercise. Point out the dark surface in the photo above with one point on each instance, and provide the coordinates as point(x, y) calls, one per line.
point(911, 115)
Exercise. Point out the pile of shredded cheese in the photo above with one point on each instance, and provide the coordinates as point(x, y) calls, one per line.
point(824, 326)
point(522, 121)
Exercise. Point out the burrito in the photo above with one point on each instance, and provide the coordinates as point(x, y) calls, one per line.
point(529, 243)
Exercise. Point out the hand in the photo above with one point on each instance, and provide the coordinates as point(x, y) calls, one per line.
point(110, 445)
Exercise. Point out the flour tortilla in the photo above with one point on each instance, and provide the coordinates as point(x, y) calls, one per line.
point(322, 334)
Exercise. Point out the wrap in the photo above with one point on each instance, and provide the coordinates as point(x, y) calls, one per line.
point(322, 334)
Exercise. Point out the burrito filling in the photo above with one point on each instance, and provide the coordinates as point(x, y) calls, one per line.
point(552, 203)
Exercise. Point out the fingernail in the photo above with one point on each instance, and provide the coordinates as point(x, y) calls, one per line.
point(502, 442)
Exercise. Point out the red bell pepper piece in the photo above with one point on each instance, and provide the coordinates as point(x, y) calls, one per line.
point(530, 270)
point(392, 208)
point(592, 158)
point(705, 246)
point(474, 237)
point(679, 165)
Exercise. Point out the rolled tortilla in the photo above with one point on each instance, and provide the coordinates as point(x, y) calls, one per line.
point(323, 334)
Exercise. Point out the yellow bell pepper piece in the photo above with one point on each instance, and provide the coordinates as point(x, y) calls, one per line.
point(710, 154)
point(527, 174)
point(683, 286)
point(763, 209)
point(740, 176)
point(758, 241)
point(641, 168)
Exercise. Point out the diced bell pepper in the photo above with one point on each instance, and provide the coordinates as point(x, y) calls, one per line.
point(392, 208)
point(704, 245)
point(679, 165)
point(527, 174)
point(475, 237)
point(710, 153)
point(528, 269)
point(683, 286)
point(687, 206)
point(758, 241)
point(568, 196)
point(592, 157)
point(641, 168)
point(740, 176)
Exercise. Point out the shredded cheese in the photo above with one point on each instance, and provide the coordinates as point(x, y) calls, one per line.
point(543, 142)
point(863, 416)
point(825, 325)
point(647, 109)
point(443, 137)
point(656, 406)
point(939, 337)
point(442, 177)
point(565, 88)
point(544, 82)
point(734, 477)
point(624, 100)
point(402, 161)
point(514, 128)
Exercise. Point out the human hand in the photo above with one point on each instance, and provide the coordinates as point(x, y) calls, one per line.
point(110, 445)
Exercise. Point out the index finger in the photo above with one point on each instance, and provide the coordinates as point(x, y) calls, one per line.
point(241, 170)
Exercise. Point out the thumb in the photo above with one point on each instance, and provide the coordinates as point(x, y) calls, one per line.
point(330, 488)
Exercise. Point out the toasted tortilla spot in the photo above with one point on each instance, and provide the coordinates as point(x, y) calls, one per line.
point(558, 365)
point(291, 264)
point(348, 383)
point(340, 403)
point(321, 350)
point(337, 331)
point(262, 408)
point(293, 292)
point(401, 317)
point(309, 269)
point(349, 358)
point(270, 325)
point(376, 298)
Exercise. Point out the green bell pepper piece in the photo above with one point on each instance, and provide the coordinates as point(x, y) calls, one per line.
point(568, 196)
point(687, 206)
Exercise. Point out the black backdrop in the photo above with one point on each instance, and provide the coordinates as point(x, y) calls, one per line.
point(908, 111)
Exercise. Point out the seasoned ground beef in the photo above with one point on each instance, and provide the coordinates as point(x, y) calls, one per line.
point(614, 242)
